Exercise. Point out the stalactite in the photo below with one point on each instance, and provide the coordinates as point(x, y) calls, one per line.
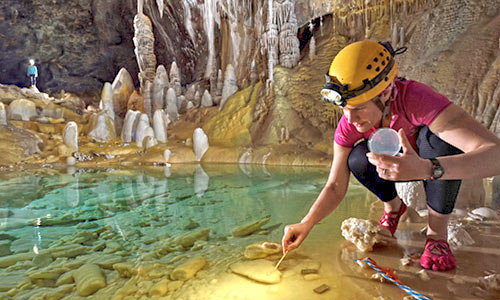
point(210, 15)
point(161, 6)
point(289, 43)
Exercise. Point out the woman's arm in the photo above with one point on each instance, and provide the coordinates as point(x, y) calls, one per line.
point(330, 197)
point(481, 157)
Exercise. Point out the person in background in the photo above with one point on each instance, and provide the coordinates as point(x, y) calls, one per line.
point(441, 144)
point(32, 72)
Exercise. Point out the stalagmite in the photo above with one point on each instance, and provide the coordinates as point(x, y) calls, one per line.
point(149, 140)
point(143, 130)
point(171, 105)
point(70, 136)
point(160, 82)
point(160, 125)
point(190, 92)
point(144, 48)
point(175, 79)
point(102, 127)
point(394, 37)
point(122, 87)
point(146, 104)
point(230, 86)
point(206, 100)
point(3, 114)
point(312, 48)
point(129, 126)
point(181, 104)
point(200, 143)
point(107, 100)
point(197, 98)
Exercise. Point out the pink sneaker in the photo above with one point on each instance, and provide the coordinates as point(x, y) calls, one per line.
point(390, 220)
point(437, 256)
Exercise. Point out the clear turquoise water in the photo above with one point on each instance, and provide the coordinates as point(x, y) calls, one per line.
point(127, 215)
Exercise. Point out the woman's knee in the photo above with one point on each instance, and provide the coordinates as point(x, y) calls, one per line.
point(357, 161)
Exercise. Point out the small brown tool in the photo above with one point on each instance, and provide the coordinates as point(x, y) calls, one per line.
point(279, 262)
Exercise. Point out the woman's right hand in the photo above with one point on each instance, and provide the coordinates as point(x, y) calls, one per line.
point(294, 235)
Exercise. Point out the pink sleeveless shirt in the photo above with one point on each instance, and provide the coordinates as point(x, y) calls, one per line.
point(416, 105)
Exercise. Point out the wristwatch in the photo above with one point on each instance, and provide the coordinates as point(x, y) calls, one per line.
point(437, 170)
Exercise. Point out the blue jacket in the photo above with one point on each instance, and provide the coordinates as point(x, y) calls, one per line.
point(32, 70)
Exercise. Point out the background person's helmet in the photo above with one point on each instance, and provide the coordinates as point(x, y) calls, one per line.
point(359, 72)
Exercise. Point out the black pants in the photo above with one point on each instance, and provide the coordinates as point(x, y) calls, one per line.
point(33, 80)
point(440, 194)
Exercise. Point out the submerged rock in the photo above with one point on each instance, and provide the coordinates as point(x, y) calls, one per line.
point(89, 279)
point(458, 236)
point(261, 250)
point(250, 228)
point(260, 270)
point(187, 240)
point(188, 269)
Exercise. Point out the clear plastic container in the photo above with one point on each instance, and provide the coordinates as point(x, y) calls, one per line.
point(384, 141)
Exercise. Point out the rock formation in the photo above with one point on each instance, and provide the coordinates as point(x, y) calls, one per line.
point(144, 48)
point(160, 85)
point(171, 105)
point(70, 136)
point(130, 126)
point(200, 143)
point(22, 110)
point(230, 86)
point(122, 87)
point(206, 100)
point(3, 114)
point(101, 127)
point(175, 79)
point(160, 124)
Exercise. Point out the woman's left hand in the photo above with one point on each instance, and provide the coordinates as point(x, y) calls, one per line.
point(408, 166)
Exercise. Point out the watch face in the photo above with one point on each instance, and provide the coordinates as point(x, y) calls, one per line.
point(438, 172)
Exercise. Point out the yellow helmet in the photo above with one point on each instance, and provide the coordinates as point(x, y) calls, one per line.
point(359, 72)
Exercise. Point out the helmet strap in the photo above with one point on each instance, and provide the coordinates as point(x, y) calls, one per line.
point(385, 108)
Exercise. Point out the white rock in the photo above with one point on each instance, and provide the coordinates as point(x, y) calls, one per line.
point(106, 103)
point(200, 143)
point(171, 103)
point(362, 233)
point(70, 161)
point(458, 236)
point(485, 213)
point(102, 127)
point(160, 124)
point(22, 109)
point(130, 125)
point(70, 136)
point(175, 79)
point(122, 87)
point(143, 130)
point(166, 154)
point(160, 84)
point(206, 100)
point(150, 141)
point(3, 114)
point(230, 86)
point(189, 105)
